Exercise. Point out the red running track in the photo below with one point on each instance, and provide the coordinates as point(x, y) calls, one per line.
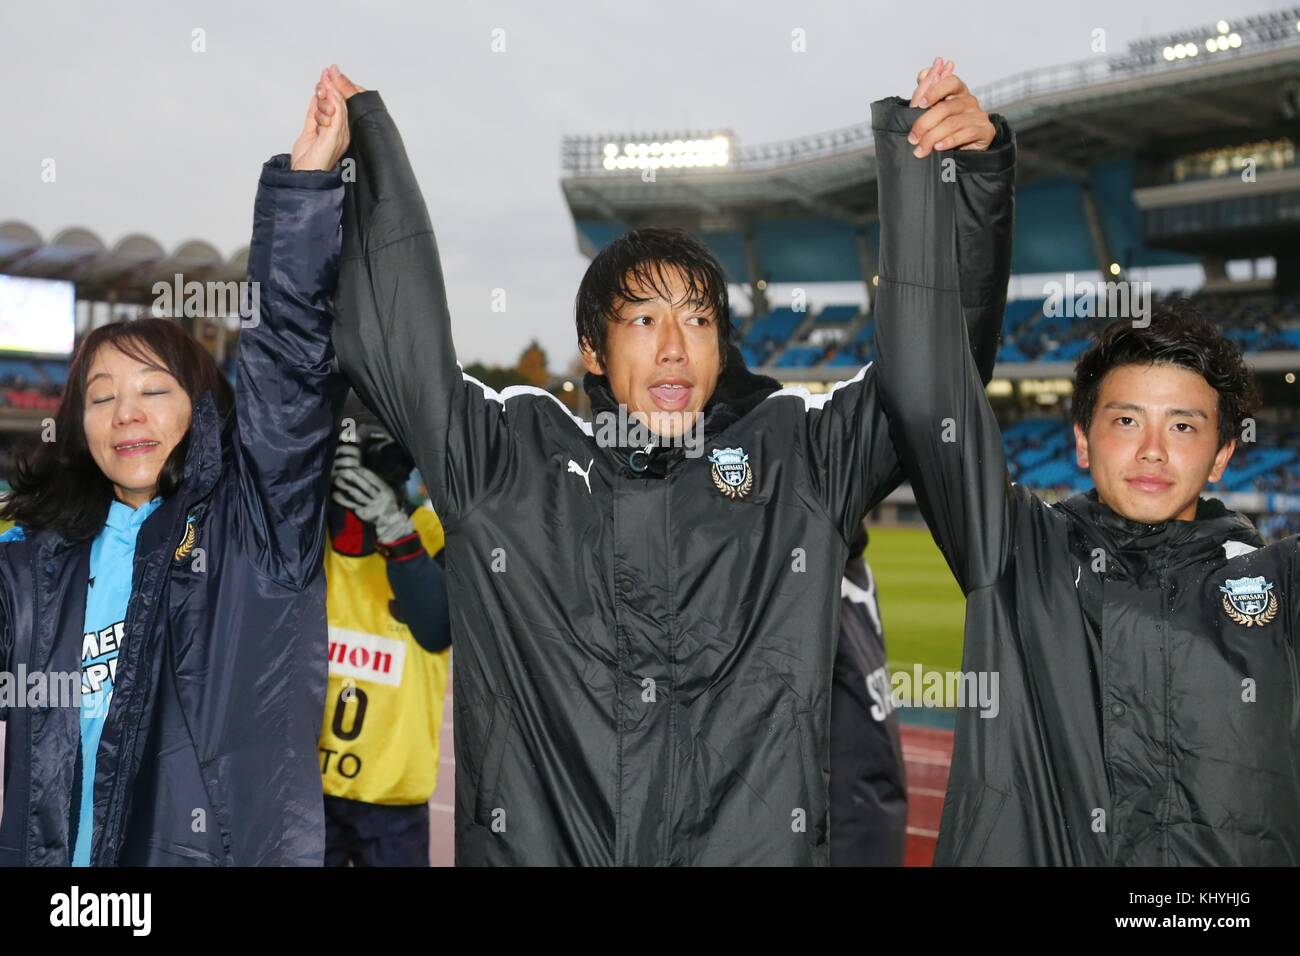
point(927, 752)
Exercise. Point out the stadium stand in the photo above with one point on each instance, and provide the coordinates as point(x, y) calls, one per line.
point(20, 373)
point(31, 384)
point(1256, 322)
point(765, 336)
point(786, 339)
point(1040, 450)
point(836, 316)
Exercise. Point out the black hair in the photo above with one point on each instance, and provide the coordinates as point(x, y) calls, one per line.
point(57, 484)
point(639, 258)
point(1176, 335)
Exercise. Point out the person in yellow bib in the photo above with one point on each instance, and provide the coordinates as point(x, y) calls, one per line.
point(389, 640)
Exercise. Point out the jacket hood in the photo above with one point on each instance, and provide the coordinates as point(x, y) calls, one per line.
point(203, 457)
point(1190, 541)
point(737, 393)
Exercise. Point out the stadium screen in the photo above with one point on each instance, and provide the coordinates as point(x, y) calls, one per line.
point(37, 315)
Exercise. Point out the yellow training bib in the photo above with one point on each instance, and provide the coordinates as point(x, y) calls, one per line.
point(379, 739)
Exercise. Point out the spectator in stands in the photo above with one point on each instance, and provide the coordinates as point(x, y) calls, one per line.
point(166, 564)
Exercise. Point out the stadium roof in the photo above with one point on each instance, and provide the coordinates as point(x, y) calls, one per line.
point(790, 211)
point(123, 272)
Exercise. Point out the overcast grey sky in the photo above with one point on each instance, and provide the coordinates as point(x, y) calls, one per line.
point(149, 136)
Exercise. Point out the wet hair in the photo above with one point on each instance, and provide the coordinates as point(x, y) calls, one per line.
point(640, 259)
point(1177, 335)
point(58, 484)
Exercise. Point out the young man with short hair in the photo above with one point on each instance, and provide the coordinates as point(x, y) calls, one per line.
point(1144, 637)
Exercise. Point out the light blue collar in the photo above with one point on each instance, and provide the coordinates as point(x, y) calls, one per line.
point(122, 517)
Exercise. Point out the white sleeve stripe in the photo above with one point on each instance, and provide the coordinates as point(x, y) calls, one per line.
point(811, 401)
point(514, 391)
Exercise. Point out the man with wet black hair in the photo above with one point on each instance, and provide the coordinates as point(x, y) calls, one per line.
point(1143, 636)
point(645, 620)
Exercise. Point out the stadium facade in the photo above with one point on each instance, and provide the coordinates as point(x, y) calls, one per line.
point(1176, 156)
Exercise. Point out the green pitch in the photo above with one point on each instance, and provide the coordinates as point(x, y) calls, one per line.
point(921, 607)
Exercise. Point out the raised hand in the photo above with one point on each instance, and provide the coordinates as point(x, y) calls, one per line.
point(953, 118)
point(928, 77)
point(342, 83)
point(324, 137)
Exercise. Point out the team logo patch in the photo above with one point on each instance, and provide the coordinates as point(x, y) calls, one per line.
point(1249, 602)
point(188, 541)
point(732, 474)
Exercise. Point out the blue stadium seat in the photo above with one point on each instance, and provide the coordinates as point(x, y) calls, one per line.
point(778, 325)
point(837, 315)
point(1019, 312)
point(1067, 351)
point(1051, 447)
point(1259, 462)
point(800, 356)
point(1288, 339)
point(56, 372)
point(12, 370)
point(1050, 474)
point(846, 358)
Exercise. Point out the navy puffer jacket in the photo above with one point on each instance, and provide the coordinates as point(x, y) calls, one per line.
point(208, 754)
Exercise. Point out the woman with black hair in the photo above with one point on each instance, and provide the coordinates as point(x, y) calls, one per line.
point(166, 564)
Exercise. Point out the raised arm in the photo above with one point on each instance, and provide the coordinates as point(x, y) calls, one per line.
point(940, 418)
point(393, 333)
point(862, 464)
point(982, 153)
point(287, 395)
